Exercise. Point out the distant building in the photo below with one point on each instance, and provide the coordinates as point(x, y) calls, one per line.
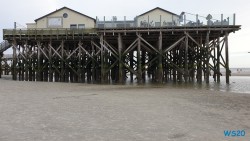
point(63, 18)
point(157, 17)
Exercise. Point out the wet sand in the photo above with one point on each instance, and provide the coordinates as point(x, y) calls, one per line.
point(43, 111)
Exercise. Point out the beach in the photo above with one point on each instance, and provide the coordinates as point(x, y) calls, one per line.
point(42, 111)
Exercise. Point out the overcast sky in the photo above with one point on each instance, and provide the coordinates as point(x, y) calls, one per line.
point(26, 11)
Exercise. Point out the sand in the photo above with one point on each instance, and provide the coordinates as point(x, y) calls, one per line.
point(43, 111)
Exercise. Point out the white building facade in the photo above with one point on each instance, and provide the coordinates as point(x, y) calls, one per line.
point(63, 18)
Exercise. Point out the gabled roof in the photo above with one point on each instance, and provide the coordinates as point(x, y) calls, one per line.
point(159, 9)
point(62, 9)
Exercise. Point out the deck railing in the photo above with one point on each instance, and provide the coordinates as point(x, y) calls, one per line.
point(184, 19)
point(49, 31)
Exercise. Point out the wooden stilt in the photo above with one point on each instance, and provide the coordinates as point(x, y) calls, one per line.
point(93, 63)
point(180, 63)
point(200, 56)
point(175, 62)
point(26, 64)
point(131, 64)
point(62, 77)
point(218, 59)
point(19, 65)
point(214, 61)
point(50, 62)
point(139, 67)
point(207, 58)
point(33, 64)
point(120, 58)
point(14, 63)
point(30, 64)
point(79, 70)
point(38, 62)
point(22, 64)
point(143, 60)
point(160, 68)
point(1, 68)
point(227, 59)
point(46, 74)
point(186, 60)
point(102, 61)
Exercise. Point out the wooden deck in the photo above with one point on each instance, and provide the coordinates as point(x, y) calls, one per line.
point(111, 55)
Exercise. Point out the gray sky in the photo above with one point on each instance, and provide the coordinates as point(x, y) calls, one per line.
point(26, 11)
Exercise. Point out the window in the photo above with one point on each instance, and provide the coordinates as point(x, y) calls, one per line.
point(100, 25)
point(157, 24)
point(54, 22)
point(65, 15)
point(81, 26)
point(122, 25)
point(73, 26)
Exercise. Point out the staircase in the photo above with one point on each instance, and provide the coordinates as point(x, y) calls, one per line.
point(4, 46)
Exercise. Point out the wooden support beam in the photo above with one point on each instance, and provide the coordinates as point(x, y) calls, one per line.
point(32, 64)
point(103, 71)
point(186, 59)
point(199, 62)
point(214, 61)
point(39, 65)
point(14, 62)
point(50, 63)
point(160, 67)
point(120, 48)
point(207, 58)
point(62, 78)
point(93, 62)
point(1, 69)
point(143, 61)
point(152, 47)
point(26, 64)
point(22, 65)
point(131, 46)
point(79, 67)
point(228, 73)
point(174, 52)
point(139, 67)
point(110, 47)
point(131, 63)
point(190, 37)
point(174, 45)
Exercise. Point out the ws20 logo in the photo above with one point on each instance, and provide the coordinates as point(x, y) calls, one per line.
point(234, 133)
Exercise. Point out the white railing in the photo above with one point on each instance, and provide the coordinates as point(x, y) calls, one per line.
point(184, 19)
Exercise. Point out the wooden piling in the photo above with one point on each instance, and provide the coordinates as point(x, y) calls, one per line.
point(39, 61)
point(228, 73)
point(175, 62)
point(160, 67)
point(62, 77)
point(218, 60)
point(120, 58)
point(139, 67)
point(1, 68)
point(207, 58)
point(131, 64)
point(50, 62)
point(14, 63)
point(186, 60)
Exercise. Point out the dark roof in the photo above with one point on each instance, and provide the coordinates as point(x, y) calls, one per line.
point(62, 9)
point(159, 9)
